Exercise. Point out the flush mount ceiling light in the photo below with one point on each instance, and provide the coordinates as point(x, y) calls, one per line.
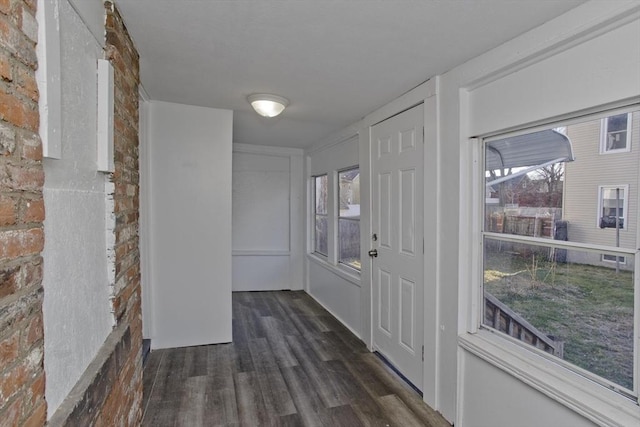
point(268, 105)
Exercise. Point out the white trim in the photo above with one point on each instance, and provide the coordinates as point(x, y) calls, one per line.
point(48, 77)
point(623, 261)
point(260, 253)
point(312, 233)
point(410, 99)
point(143, 94)
point(145, 188)
point(267, 150)
point(551, 38)
point(560, 244)
point(591, 400)
point(342, 272)
point(337, 138)
point(105, 116)
point(604, 125)
point(338, 217)
point(345, 324)
point(625, 204)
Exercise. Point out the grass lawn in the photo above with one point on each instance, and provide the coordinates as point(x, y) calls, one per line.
point(590, 308)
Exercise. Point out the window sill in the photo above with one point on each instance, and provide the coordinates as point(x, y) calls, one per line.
point(346, 273)
point(591, 400)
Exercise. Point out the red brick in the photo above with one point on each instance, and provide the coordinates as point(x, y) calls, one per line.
point(15, 41)
point(13, 381)
point(31, 4)
point(5, 67)
point(9, 349)
point(38, 417)
point(31, 145)
point(18, 243)
point(37, 390)
point(9, 280)
point(34, 332)
point(34, 211)
point(31, 153)
point(7, 211)
point(5, 6)
point(12, 416)
point(18, 177)
point(26, 78)
point(17, 112)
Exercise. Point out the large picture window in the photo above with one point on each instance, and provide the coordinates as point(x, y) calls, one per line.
point(550, 278)
point(349, 218)
point(321, 231)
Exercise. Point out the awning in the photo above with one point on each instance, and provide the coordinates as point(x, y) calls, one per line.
point(531, 151)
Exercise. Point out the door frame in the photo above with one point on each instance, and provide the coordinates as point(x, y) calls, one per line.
point(425, 93)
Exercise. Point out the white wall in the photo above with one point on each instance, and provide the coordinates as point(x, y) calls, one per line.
point(338, 295)
point(335, 288)
point(267, 220)
point(77, 309)
point(144, 161)
point(190, 224)
point(580, 61)
point(558, 70)
point(521, 406)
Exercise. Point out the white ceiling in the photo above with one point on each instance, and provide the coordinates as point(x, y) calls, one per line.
point(336, 61)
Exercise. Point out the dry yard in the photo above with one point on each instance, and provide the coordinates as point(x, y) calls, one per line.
point(590, 308)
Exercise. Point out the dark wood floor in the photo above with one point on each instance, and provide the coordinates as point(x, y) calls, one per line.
point(291, 364)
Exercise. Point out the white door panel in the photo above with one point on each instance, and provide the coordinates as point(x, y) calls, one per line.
point(397, 220)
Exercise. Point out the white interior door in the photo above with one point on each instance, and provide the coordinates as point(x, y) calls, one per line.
point(397, 221)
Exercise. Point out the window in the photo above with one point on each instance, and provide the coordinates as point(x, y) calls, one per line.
point(611, 204)
point(552, 282)
point(321, 195)
point(613, 258)
point(349, 218)
point(615, 134)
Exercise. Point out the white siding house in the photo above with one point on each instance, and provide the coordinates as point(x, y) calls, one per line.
point(590, 185)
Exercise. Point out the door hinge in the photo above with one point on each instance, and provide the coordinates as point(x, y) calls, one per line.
point(423, 353)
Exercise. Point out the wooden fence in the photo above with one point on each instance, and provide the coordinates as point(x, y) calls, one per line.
point(521, 225)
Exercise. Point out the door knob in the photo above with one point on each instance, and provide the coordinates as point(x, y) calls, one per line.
point(373, 253)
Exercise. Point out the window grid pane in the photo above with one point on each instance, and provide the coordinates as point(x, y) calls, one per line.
point(349, 218)
point(616, 134)
point(580, 313)
point(321, 231)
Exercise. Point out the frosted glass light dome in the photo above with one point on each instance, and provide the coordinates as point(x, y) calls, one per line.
point(268, 105)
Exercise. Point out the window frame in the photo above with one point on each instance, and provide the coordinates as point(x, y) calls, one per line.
point(604, 124)
point(625, 204)
point(314, 187)
point(621, 259)
point(547, 373)
point(338, 218)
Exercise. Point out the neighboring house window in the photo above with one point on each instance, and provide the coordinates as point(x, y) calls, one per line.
point(612, 203)
point(321, 197)
point(551, 281)
point(349, 218)
point(615, 135)
point(612, 258)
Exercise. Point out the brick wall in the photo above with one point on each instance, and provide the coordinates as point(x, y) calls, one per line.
point(123, 406)
point(22, 379)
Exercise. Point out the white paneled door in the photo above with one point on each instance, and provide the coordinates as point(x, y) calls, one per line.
point(397, 271)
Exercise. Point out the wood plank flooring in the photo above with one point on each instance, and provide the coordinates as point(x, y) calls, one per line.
point(291, 364)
